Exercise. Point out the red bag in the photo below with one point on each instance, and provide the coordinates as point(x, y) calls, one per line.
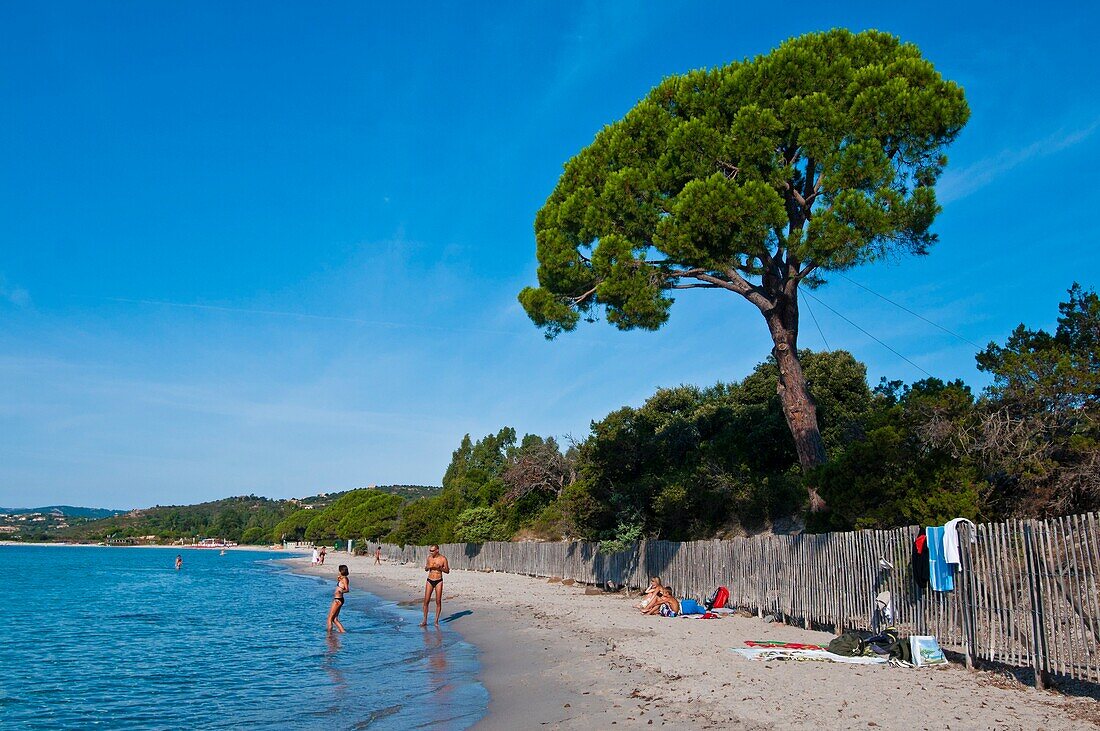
point(718, 598)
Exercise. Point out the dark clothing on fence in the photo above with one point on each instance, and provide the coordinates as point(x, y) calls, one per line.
point(920, 560)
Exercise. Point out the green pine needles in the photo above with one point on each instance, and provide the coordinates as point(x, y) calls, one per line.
point(753, 178)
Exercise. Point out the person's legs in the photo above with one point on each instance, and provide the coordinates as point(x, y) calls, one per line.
point(427, 600)
point(438, 601)
point(336, 616)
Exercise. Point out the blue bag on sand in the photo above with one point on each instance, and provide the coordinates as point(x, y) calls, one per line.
point(690, 606)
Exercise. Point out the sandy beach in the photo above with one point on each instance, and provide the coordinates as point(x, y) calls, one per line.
point(553, 656)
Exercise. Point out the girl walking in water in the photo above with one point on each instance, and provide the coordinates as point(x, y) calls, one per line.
point(436, 566)
point(342, 587)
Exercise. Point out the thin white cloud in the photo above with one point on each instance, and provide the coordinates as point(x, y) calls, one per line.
point(601, 36)
point(13, 294)
point(304, 316)
point(957, 184)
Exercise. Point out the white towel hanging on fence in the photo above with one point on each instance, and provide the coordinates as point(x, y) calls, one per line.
point(951, 539)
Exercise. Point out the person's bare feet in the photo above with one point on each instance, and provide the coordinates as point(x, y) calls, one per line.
point(423, 624)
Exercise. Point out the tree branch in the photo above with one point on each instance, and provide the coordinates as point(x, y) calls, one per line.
point(736, 283)
point(781, 240)
point(811, 168)
point(583, 297)
point(728, 169)
point(796, 195)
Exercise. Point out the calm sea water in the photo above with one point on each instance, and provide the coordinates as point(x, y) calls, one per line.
point(115, 638)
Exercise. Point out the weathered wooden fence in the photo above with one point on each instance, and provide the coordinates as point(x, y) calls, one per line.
point(1026, 594)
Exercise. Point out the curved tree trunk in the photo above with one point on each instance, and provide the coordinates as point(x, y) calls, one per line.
point(794, 393)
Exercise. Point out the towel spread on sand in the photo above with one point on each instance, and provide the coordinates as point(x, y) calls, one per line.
point(780, 645)
point(772, 653)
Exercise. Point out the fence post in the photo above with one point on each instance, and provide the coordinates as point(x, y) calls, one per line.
point(1035, 592)
point(969, 604)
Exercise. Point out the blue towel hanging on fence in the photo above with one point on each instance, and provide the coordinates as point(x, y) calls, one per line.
point(941, 573)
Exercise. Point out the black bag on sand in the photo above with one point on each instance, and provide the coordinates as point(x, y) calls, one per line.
point(883, 643)
point(901, 650)
point(849, 644)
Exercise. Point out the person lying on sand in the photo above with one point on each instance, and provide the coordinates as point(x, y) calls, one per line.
point(655, 587)
point(664, 604)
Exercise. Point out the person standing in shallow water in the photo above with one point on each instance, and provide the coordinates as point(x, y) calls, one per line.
point(342, 587)
point(436, 566)
point(179, 561)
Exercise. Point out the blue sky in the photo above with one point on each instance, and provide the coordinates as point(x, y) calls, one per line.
point(275, 247)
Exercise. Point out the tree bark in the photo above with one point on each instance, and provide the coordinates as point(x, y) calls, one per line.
point(794, 394)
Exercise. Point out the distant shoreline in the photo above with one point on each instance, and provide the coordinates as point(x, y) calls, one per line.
point(59, 544)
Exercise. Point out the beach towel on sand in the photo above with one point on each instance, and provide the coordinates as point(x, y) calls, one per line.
point(772, 653)
point(780, 645)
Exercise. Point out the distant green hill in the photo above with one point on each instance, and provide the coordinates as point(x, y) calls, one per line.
point(245, 519)
point(66, 510)
point(409, 492)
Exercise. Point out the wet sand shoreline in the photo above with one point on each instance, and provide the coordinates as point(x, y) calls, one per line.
point(553, 656)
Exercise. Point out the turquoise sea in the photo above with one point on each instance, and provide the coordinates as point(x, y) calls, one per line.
point(116, 638)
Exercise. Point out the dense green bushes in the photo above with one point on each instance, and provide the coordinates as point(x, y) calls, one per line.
point(699, 462)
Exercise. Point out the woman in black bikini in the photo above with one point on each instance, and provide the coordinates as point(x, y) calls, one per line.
point(436, 566)
point(342, 587)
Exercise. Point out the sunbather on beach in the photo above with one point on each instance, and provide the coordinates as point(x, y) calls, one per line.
point(664, 604)
point(436, 566)
point(655, 587)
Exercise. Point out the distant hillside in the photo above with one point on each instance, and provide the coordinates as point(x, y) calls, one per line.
point(409, 492)
point(246, 519)
point(66, 510)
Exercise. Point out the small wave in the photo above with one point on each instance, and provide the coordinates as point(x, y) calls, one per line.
point(376, 716)
point(142, 616)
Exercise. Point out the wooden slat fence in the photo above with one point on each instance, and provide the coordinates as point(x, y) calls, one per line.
point(1027, 594)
